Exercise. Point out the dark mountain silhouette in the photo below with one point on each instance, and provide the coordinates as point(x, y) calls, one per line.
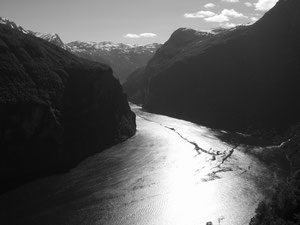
point(53, 38)
point(12, 25)
point(283, 207)
point(241, 79)
point(55, 108)
point(124, 59)
point(180, 41)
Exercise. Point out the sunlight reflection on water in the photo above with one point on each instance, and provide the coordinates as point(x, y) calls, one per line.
point(189, 202)
point(188, 199)
point(154, 178)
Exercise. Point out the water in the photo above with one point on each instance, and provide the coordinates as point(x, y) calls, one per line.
point(155, 178)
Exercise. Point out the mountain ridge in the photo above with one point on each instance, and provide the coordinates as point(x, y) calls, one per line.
point(239, 80)
point(122, 57)
point(55, 108)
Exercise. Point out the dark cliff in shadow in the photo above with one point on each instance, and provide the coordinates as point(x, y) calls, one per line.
point(55, 108)
point(284, 205)
point(182, 39)
point(241, 79)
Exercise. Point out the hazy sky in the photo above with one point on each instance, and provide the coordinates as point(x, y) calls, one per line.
point(129, 21)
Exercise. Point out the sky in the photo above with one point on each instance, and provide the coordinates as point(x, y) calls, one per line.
point(129, 21)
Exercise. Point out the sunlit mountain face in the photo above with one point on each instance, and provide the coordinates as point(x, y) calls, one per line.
point(116, 129)
point(123, 58)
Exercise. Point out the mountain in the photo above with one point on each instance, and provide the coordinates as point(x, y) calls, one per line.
point(124, 59)
point(284, 205)
point(243, 79)
point(181, 42)
point(52, 38)
point(12, 25)
point(55, 108)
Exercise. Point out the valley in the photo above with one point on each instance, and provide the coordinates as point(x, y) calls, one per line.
point(203, 129)
point(156, 177)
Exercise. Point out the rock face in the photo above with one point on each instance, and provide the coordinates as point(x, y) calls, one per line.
point(180, 42)
point(12, 25)
point(240, 79)
point(124, 59)
point(52, 38)
point(55, 108)
point(284, 205)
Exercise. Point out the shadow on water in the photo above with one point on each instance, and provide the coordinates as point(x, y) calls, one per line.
point(242, 139)
point(156, 177)
point(261, 148)
point(232, 138)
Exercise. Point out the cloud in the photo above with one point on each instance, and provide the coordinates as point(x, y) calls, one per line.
point(209, 5)
point(148, 35)
point(248, 4)
point(264, 5)
point(224, 16)
point(132, 36)
point(209, 16)
point(217, 18)
point(142, 35)
point(232, 13)
point(229, 25)
point(254, 19)
point(200, 14)
point(231, 1)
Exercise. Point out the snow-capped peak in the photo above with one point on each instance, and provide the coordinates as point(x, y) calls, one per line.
point(107, 46)
point(50, 37)
point(12, 25)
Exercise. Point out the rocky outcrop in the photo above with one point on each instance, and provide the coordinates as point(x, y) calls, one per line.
point(55, 108)
point(242, 79)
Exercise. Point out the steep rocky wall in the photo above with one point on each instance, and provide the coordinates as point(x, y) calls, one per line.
point(55, 108)
point(244, 79)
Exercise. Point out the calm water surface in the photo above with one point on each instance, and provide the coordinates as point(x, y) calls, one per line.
point(155, 178)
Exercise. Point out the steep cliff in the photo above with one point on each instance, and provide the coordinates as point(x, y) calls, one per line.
point(55, 108)
point(178, 44)
point(284, 205)
point(242, 79)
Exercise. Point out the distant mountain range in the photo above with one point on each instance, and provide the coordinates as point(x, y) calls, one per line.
point(124, 59)
point(242, 79)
